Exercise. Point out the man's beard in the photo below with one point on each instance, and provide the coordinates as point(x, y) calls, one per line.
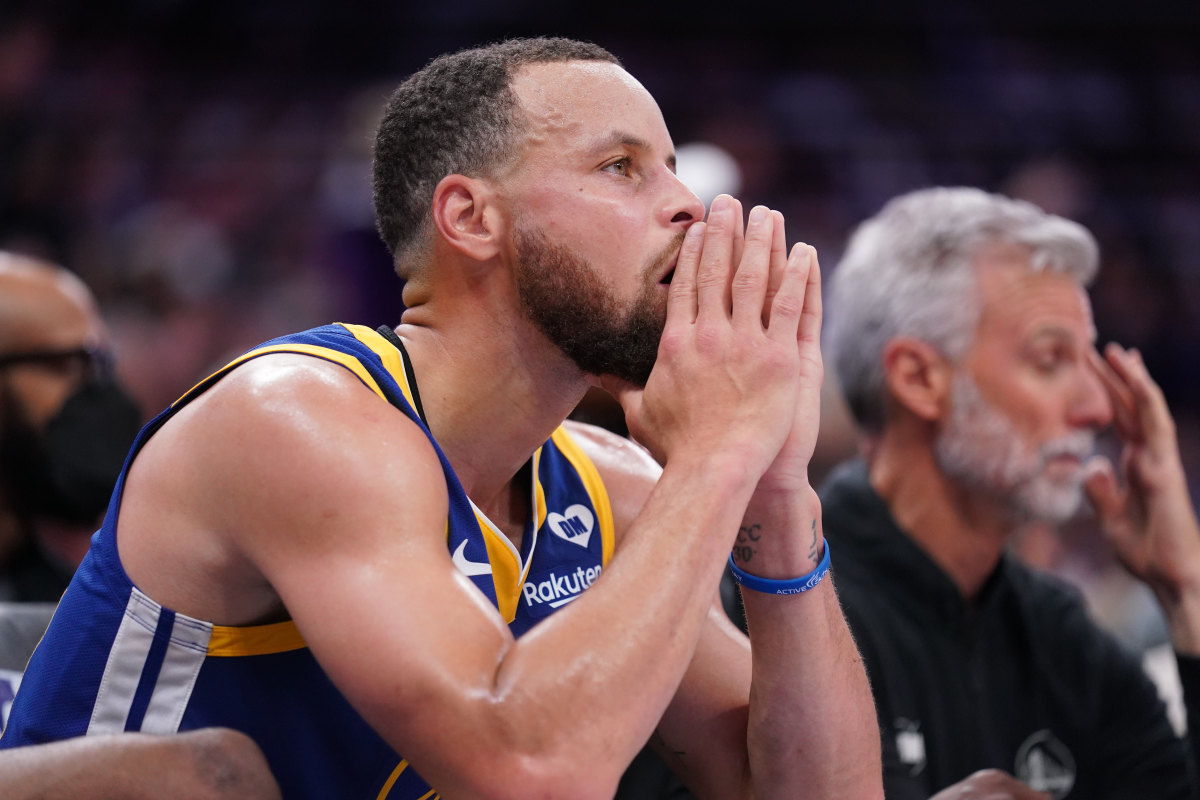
point(982, 449)
point(572, 306)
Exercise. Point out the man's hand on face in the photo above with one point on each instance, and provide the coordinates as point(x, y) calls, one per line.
point(729, 371)
point(1147, 515)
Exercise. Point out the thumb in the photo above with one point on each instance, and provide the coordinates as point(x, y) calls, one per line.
point(1104, 493)
point(1100, 484)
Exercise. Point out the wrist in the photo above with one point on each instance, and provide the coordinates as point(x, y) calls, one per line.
point(777, 486)
point(788, 507)
point(781, 535)
point(797, 585)
point(1181, 609)
point(727, 468)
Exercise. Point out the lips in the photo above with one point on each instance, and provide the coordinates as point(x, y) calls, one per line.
point(666, 261)
point(671, 263)
point(1070, 462)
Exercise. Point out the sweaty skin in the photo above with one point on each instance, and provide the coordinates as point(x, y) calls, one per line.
point(318, 503)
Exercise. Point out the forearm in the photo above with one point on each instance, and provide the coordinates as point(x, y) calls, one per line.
point(635, 629)
point(1182, 614)
point(812, 725)
point(1173, 570)
point(210, 764)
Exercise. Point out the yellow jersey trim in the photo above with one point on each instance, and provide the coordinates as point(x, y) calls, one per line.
point(256, 640)
point(506, 568)
point(345, 359)
point(387, 353)
point(391, 781)
point(595, 487)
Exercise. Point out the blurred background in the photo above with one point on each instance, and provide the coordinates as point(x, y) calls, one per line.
point(205, 166)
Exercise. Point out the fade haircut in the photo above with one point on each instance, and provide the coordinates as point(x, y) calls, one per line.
point(458, 115)
point(907, 271)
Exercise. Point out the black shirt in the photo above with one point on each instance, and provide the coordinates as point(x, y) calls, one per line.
point(1021, 680)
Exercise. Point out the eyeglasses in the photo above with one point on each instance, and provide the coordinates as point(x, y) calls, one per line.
point(83, 361)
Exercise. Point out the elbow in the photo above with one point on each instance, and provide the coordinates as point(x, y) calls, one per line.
point(226, 765)
point(545, 777)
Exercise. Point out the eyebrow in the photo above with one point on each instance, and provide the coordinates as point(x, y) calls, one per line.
point(1061, 334)
point(628, 140)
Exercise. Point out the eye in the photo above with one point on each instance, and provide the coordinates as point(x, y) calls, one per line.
point(1051, 361)
point(620, 166)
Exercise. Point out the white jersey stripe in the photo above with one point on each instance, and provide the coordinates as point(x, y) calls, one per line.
point(126, 659)
point(180, 668)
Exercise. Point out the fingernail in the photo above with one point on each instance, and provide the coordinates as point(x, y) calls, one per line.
point(758, 215)
point(721, 202)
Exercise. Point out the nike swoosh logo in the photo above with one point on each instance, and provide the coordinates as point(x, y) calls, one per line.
point(468, 567)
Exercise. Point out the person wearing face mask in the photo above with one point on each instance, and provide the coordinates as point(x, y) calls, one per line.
point(65, 426)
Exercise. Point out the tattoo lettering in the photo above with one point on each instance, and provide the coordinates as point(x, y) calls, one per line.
point(743, 551)
point(749, 532)
point(812, 548)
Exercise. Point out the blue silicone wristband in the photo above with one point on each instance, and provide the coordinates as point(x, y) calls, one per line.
point(790, 586)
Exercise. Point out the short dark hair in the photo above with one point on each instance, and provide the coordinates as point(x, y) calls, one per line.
point(456, 115)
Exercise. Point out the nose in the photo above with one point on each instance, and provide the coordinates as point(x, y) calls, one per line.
point(1091, 405)
point(681, 205)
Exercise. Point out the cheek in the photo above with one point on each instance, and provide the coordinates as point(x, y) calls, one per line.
point(1017, 395)
point(1036, 416)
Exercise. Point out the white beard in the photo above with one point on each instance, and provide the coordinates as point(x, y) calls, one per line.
point(981, 448)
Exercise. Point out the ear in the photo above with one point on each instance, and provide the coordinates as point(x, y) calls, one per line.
point(918, 377)
point(466, 216)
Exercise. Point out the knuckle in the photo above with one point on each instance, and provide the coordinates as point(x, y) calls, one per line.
point(745, 279)
point(671, 342)
point(787, 304)
point(713, 276)
point(708, 338)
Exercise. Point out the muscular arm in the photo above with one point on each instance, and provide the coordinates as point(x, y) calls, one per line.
point(790, 712)
point(339, 504)
point(352, 539)
point(805, 676)
point(812, 721)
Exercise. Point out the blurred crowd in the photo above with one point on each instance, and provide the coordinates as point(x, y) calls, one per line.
point(205, 167)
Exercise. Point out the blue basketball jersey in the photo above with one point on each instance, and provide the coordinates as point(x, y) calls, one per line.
point(115, 660)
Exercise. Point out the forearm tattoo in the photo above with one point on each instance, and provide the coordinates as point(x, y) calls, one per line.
point(746, 546)
point(747, 538)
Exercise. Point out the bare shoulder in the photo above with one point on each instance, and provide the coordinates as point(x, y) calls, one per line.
point(628, 470)
point(287, 454)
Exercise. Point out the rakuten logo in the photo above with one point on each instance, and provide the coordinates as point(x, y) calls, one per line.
point(557, 590)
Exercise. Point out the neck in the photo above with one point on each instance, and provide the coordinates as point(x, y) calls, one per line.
point(492, 394)
point(963, 532)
